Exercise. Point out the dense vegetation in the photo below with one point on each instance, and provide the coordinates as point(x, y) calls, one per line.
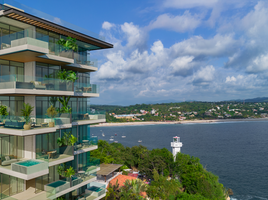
point(189, 180)
point(186, 111)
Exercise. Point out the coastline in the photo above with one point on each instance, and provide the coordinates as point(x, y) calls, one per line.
point(176, 122)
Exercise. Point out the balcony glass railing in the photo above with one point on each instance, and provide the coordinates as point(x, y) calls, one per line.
point(86, 88)
point(43, 83)
point(54, 154)
point(93, 191)
point(82, 174)
point(34, 122)
point(85, 116)
point(86, 143)
point(34, 38)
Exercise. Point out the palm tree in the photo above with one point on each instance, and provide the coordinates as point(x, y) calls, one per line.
point(136, 187)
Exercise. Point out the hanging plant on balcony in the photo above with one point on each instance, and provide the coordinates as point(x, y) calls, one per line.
point(68, 44)
point(3, 112)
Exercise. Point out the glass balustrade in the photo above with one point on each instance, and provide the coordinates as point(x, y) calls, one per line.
point(33, 122)
point(54, 154)
point(86, 143)
point(86, 88)
point(46, 43)
point(45, 83)
point(82, 175)
point(85, 116)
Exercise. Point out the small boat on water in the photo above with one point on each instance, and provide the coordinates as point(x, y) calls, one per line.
point(111, 139)
point(123, 136)
point(140, 141)
point(115, 141)
point(115, 134)
point(103, 135)
point(112, 136)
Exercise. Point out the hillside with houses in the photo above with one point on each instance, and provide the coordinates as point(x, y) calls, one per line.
point(184, 111)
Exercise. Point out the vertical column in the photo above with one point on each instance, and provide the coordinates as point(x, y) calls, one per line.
point(29, 71)
point(28, 144)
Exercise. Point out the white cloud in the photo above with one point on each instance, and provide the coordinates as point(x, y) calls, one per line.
point(107, 25)
point(135, 35)
point(219, 45)
point(179, 23)
point(230, 79)
point(259, 64)
point(204, 76)
point(182, 65)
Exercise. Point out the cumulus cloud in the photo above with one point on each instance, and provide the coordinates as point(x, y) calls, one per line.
point(107, 25)
point(230, 61)
point(204, 76)
point(179, 23)
point(136, 37)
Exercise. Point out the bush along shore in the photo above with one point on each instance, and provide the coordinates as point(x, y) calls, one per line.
point(184, 178)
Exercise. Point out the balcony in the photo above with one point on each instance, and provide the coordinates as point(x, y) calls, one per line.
point(14, 125)
point(23, 168)
point(86, 144)
point(29, 45)
point(20, 84)
point(84, 176)
point(56, 155)
point(95, 190)
point(83, 118)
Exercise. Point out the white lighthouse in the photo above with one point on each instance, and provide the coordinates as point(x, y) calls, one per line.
point(176, 146)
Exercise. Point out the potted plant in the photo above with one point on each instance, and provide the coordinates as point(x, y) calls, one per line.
point(26, 111)
point(68, 46)
point(64, 172)
point(3, 112)
point(69, 173)
point(67, 140)
point(65, 107)
point(51, 112)
point(66, 78)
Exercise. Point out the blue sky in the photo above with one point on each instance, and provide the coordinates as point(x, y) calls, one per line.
point(173, 50)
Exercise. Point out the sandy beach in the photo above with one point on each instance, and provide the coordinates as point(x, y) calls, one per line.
point(177, 122)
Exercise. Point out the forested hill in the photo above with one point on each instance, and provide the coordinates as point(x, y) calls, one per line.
point(184, 111)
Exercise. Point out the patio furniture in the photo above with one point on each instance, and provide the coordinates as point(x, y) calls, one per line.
point(52, 154)
point(85, 142)
point(6, 160)
point(44, 124)
point(14, 124)
point(24, 85)
point(86, 89)
point(81, 174)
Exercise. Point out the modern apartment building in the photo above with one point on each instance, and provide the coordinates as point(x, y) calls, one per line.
point(45, 71)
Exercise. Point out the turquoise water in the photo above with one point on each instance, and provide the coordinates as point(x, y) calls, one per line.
point(29, 163)
point(56, 184)
point(235, 151)
point(95, 189)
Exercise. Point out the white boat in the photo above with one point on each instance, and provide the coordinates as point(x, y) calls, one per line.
point(112, 136)
point(140, 141)
point(123, 136)
point(103, 135)
point(115, 141)
point(111, 139)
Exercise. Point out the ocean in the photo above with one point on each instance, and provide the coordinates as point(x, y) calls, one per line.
point(237, 152)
